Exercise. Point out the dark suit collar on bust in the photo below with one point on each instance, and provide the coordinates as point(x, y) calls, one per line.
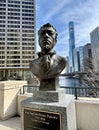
point(50, 53)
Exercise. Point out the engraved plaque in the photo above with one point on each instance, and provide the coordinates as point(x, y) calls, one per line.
point(41, 120)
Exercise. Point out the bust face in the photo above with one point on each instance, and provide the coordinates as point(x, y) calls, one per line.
point(47, 38)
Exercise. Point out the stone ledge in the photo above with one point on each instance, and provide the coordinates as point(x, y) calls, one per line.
point(51, 96)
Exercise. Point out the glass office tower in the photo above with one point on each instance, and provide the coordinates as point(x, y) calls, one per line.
point(17, 37)
point(78, 59)
point(83, 58)
point(94, 35)
point(71, 46)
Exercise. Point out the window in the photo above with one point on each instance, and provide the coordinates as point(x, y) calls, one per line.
point(13, 26)
point(14, 22)
point(17, 10)
point(12, 1)
point(13, 5)
point(89, 53)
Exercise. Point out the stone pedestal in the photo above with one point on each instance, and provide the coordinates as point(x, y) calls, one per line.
point(49, 110)
point(50, 84)
point(8, 98)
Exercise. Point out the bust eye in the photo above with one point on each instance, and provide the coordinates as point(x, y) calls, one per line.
point(42, 33)
point(50, 33)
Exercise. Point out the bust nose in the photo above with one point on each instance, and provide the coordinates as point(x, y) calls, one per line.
point(46, 34)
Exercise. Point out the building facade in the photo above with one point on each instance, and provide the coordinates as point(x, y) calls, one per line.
point(67, 65)
point(83, 58)
point(17, 37)
point(71, 46)
point(78, 59)
point(94, 36)
point(87, 53)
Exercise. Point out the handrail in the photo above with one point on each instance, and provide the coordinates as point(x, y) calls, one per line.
point(76, 91)
point(82, 91)
point(28, 88)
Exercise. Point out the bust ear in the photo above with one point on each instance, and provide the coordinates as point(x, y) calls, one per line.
point(39, 54)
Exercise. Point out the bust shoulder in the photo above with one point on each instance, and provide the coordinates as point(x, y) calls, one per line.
point(57, 64)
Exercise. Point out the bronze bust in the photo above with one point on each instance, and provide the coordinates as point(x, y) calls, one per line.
point(48, 65)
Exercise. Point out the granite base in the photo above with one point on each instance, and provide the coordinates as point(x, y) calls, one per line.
point(35, 112)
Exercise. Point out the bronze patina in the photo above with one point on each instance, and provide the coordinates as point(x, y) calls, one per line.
point(48, 65)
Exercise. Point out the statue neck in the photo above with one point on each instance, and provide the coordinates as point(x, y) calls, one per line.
point(42, 53)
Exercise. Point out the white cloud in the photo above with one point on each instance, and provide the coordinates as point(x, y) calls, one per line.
point(47, 11)
point(56, 6)
point(86, 18)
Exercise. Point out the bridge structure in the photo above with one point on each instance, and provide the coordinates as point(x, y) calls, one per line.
point(73, 74)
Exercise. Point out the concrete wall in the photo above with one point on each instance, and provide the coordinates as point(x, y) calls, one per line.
point(8, 97)
point(22, 97)
point(87, 114)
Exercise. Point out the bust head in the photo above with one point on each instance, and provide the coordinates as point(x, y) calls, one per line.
point(47, 37)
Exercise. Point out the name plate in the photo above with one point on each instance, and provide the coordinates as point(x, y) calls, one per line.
point(41, 120)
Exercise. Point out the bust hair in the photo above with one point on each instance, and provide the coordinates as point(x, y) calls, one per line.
point(48, 25)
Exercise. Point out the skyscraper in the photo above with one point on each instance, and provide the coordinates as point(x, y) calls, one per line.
point(83, 58)
point(71, 46)
point(94, 36)
point(17, 37)
point(78, 59)
point(87, 53)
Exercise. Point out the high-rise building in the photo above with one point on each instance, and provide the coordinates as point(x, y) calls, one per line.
point(94, 36)
point(87, 53)
point(71, 46)
point(78, 59)
point(17, 37)
point(83, 58)
point(67, 65)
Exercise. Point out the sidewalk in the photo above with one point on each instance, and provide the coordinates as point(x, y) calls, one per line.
point(10, 124)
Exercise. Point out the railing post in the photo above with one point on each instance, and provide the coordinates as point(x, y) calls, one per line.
point(76, 94)
point(23, 89)
point(20, 91)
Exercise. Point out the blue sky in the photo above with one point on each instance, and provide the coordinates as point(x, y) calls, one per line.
point(84, 13)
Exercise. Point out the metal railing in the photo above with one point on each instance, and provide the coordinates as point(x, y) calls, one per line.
point(83, 91)
point(28, 89)
point(76, 91)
